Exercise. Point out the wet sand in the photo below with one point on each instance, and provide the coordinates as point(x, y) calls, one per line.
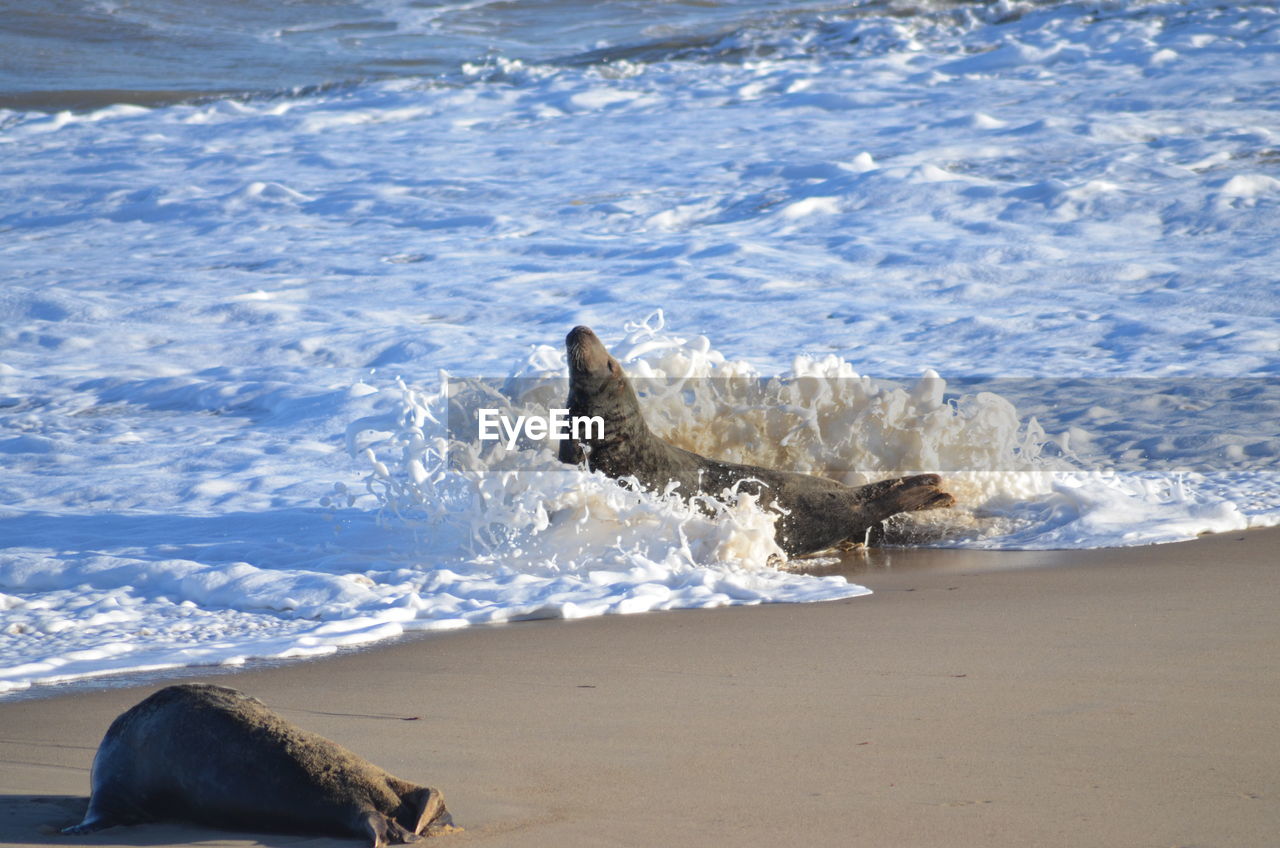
point(1097, 698)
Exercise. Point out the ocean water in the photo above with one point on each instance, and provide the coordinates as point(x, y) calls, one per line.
point(251, 255)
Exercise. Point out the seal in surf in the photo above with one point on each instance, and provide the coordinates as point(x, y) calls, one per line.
point(816, 513)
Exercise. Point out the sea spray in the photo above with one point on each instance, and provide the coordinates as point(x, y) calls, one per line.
point(1016, 485)
point(822, 418)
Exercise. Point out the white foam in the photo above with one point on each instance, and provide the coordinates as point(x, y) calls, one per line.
point(821, 418)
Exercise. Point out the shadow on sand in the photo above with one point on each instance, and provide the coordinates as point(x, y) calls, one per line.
point(37, 820)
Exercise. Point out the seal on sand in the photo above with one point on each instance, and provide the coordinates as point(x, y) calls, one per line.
point(817, 513)
point(218, 757)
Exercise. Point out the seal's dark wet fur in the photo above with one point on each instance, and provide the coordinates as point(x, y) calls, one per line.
point(818, 513)
point(215, 756)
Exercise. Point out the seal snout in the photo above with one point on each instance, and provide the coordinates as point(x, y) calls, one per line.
point(578, 335)
point(587, 354)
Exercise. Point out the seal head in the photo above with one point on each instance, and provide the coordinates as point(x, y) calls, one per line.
point(598, 387)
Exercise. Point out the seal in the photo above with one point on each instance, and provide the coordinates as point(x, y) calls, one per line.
point(817, 514)
point(216, 756)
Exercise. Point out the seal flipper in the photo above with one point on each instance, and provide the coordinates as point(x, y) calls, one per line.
point(383, 831)
point(882, 488)
point(93, 822)
point(905, 494)
point(427, 813)
point(107, 808)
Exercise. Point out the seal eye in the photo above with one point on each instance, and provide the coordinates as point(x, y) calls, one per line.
point(613, 367)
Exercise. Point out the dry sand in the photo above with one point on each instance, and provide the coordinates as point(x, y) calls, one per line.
point(1101, 698)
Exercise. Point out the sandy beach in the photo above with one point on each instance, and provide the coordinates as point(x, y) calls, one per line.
point(1103, 698)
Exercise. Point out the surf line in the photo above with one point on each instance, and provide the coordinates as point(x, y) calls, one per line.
point(556, 424)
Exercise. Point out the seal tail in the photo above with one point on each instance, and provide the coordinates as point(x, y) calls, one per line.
point(431, 815)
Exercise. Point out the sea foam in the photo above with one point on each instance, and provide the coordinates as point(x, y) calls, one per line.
point(1013, 489)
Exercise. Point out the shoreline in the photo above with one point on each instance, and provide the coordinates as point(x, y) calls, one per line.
point(855, 566)
point(1119, 696)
